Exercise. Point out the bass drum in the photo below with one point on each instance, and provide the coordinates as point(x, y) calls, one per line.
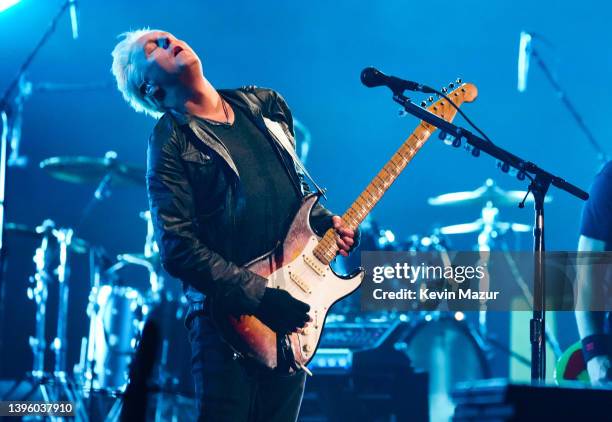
point(450, 351)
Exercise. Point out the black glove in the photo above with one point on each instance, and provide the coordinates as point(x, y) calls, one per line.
point(282, 312)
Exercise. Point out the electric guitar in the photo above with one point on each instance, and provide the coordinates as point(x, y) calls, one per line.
point(300, 265)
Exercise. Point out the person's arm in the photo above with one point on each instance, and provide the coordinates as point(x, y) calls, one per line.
point(590, 288)
point(596, 232)
point(186, 257)
point(183, 254)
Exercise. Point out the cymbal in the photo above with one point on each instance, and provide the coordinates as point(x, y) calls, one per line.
point(478, 225)
point(23, 229)
point(489, 192)
point(91, 170)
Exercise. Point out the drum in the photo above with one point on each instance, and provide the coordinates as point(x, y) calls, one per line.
point(450, 352)
point(116, 322)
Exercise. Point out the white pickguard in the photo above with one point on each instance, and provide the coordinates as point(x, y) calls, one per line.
point(314, 283)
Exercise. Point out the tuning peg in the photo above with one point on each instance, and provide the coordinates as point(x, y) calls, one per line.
point(423, 103)
point(458, 81)
point(444, 90)
point(430, 99)
point(451, 85)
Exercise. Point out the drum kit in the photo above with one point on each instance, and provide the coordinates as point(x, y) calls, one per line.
point(116, 310)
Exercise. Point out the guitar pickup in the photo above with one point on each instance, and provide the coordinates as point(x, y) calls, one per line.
point(314, 265)
point(300, 283)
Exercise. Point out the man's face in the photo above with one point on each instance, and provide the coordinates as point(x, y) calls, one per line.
point(166, 60)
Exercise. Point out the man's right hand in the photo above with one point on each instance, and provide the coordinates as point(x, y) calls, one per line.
point(600, 370)
point(282, 312)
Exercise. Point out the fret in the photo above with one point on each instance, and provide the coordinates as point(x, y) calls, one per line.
point(397, 161)
point(409, 151)
point(370, 192)
point(380, 187)
point(360, 214)
point(391, 170)
point(360, 208)
point(363, 205)
point(354, 215)
point(369, 203)
point(389, 174)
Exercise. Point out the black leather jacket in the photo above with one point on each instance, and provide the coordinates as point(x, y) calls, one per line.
point(194, 197)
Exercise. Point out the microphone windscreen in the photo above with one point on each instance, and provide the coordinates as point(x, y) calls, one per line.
point(372, 77)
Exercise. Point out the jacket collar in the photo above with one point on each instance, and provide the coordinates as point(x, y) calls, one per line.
point(236, 98)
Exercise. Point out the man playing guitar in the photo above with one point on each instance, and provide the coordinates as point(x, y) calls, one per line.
point(223, 188)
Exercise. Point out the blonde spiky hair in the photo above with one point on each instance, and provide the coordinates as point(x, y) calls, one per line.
point(129, 78)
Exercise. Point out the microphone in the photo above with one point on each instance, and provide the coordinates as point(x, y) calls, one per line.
point(73, 19)
point(523, 60)
point(372, 77)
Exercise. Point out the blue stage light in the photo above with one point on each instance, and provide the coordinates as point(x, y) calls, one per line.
point(5, 4)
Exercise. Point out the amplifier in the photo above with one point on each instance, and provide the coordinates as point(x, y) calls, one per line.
point(340, 340)
point(360, 375)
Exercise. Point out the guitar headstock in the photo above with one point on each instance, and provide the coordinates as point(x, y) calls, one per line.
point(458, 92)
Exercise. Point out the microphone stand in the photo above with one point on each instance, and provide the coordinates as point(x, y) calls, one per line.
point(541, 181)
point(601, 154)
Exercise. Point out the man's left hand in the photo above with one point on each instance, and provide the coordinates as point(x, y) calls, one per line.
point(345, 237)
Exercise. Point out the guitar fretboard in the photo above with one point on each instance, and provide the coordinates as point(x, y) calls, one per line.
point(327, 248)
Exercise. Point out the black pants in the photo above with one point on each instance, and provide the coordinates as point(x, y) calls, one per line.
point(230, 389)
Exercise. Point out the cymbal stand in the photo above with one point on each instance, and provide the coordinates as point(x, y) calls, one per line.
point(57, 385)
point(103, 190)
point(489, 215)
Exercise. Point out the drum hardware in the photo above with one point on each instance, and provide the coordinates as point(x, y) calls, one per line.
point(490, 230)
point(117, 314)
point(105, 173)
point(52, 260)
point(492, 235)
point(12, 102)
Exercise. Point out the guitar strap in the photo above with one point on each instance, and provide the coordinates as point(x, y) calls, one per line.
point(281, 137)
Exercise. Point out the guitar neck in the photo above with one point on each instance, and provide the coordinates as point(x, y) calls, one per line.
point(326, 250)
point(375, 190)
